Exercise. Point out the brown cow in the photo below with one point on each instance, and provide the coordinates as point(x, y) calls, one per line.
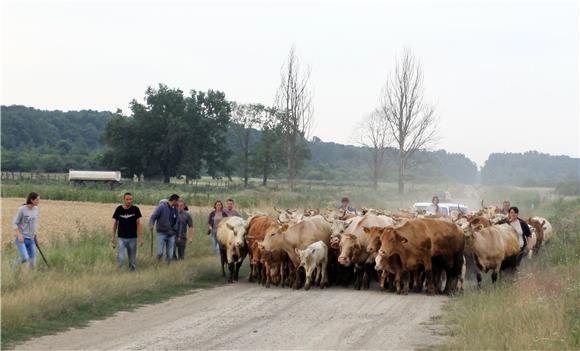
point(433, 244)
point(258, 228)
point(494, 248)
point(540, 226)
point(353, 248)
point(300, 235)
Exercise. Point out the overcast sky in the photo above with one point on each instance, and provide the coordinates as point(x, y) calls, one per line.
point(503, 75)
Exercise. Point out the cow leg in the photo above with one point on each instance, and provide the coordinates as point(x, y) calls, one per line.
point(231, 267)
point(454, 273)
point(383, 279)
point(418, 284)
point(324, 277)
point(253, 274)
point(405, 282)
point(223, 260)
point(494, 275)
point(367, 276)
point(358, 273)
point(398, 286)
point(429, 276)
point(308, 282)
point(268, 274)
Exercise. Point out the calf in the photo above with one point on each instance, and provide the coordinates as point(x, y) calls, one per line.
point(315, 256)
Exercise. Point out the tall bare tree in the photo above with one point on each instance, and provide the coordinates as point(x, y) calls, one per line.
point(374, 135)
point(295, 110)
point(411, 121)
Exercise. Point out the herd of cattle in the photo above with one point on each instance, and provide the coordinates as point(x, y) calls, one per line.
point(404, 250)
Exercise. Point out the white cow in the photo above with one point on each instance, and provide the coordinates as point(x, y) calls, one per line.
point(230, 236)
point(315, 256)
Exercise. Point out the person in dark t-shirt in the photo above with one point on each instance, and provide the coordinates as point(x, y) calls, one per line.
point(127, 228)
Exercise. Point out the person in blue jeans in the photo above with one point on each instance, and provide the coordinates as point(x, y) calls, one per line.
point(164, 219)
point(127, 227)
point(25, 224)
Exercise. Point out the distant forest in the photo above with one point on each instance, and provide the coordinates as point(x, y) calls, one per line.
point(55, 141)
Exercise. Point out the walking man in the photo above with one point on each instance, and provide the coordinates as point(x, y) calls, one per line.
point(164, 219)
point(127, 227)
point(185, 226)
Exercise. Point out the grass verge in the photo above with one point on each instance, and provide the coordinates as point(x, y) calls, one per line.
point(85, 283)
point(540, 310)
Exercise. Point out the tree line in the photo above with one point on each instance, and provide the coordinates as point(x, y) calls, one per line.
point(172, 133)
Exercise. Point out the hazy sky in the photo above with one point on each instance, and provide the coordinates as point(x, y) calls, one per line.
point(503, 75)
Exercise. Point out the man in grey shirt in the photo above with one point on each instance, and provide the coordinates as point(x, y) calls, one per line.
point(230, 209)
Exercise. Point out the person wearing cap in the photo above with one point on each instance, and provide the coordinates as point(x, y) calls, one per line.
point(346, 207)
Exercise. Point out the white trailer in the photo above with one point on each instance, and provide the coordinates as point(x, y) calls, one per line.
point(111, 178)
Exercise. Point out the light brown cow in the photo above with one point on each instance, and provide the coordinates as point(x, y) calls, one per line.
point(433, 244)
point(258, 228)
point(493, 248)
point(353, 248)
point(297, 236)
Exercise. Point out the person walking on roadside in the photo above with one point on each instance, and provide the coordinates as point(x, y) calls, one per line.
point(523, 231)
point(215, 217)
point(185, 226)
point(230, 209)
point(164, 219)
point(25, 225)
point(127, 228)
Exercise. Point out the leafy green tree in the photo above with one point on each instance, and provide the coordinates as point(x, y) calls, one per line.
point(171, 134)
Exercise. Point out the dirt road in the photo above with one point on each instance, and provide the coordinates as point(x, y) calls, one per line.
point(248, 317)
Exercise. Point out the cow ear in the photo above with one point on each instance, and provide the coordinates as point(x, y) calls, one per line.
point(230, 227)
point(478, 227)
point(367, 230)
point(543, 222)
point(297, 251)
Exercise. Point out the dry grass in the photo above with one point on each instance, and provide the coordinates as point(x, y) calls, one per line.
point(535, 313)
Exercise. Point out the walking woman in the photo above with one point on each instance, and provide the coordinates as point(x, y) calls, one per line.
point(214, 219)
point(25, 224)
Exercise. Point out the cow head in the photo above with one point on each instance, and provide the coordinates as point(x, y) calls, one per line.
point(337, 228)
point(469, 233)
point(392, 242)
point(374, 234)
point(274, 238)
point(349, 247)
point(239, 227)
